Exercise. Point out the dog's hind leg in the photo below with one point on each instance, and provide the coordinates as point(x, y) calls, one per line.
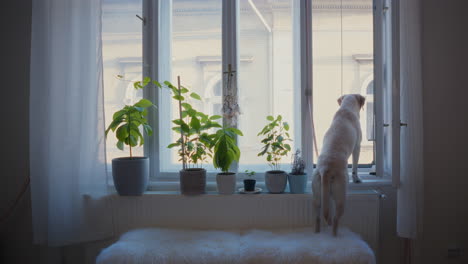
point(317, 196)
point(338, 192)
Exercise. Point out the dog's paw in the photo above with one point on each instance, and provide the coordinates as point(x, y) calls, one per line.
point(356, 179)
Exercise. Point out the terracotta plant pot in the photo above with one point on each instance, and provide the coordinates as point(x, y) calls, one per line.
point(226, 182)
point(275, 181)
point(131, 175)
point(192, 181)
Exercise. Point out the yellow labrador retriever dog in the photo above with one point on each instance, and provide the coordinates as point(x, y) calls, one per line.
point(330, 178)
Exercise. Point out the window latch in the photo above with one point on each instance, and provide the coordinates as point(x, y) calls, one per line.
point(403, 124)
point(141, 18)
point(386, 125)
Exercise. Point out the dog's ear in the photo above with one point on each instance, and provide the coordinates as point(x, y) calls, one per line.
point(361, 100)
point(340, 100)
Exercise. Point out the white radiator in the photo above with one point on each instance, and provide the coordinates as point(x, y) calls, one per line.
point(241, 211)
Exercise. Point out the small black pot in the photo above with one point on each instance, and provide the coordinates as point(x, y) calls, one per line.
point(249, 185)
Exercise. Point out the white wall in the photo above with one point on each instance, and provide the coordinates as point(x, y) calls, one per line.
point(444, 55)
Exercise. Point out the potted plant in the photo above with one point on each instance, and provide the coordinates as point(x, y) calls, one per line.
point(195, 142)
point(131, 174)
point(297, 178)
point(275, 140)
point(225, 153)
point(249, 183)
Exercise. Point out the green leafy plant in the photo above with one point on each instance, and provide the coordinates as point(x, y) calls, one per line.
point(126, 123)
point(297, 164)
point(275, 137)
point(249, 173)
point(225, 149)
point(196, 141)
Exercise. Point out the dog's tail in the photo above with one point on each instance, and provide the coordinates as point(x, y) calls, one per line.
point(326, 194)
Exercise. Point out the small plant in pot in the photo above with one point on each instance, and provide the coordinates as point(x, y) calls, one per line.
point(275, 140)
point(195, 143)
point(249, 183)
point(225, 153)
point(297, 178)
point(131, 174)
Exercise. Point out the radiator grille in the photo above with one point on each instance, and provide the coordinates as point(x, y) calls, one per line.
point(240, 212)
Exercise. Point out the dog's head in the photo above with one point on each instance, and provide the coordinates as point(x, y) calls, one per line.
point(357, 97)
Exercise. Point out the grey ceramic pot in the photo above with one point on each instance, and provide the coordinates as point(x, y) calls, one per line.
point(297, 183)
point(275, 181)
point(131, 175)
point(192, 181)
point(226, 182)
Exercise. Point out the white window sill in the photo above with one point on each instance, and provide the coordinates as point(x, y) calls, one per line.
point(173, 187)
point(369, 183)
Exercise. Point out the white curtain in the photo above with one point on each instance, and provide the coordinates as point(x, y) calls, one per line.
point(67, 147)
point(410, 199)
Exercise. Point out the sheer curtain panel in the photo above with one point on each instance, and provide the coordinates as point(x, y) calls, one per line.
point(67, 151)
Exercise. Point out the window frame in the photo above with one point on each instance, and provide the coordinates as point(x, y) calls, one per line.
point(157, 24)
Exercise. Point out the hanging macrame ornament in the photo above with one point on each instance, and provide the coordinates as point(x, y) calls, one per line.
point(231, 108)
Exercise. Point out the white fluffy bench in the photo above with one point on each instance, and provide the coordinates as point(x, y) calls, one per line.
point(298, 245)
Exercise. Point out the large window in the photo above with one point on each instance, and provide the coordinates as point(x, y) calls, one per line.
point(268, 57)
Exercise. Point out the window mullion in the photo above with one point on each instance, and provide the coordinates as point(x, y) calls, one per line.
point(157, 30)
point(150, 61)
point(378, 87)
point(230, 59)
point(305, 21)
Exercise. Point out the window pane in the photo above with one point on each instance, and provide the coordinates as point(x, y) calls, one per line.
point(342, 38)
point(122, 55)
point(195, 43)
point(268, 83)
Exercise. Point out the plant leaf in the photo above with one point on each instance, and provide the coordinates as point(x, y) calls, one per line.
point(143, 103)
point(178, 97)
point(270, 118)
point(195, 96)
point(146, 80)
point(195, 123)
point(120, 145)
point(186, 106)
point(157, 84)
point(237, 131)
point(173, 145)
point(122, 132)
point(183, 90)
point(178, 122)
point(215, 117)
point(148, 129)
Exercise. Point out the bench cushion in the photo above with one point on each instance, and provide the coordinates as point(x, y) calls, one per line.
point(301, 245)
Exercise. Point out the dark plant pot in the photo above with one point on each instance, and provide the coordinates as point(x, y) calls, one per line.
point(226, 182)
point(131, 175)
point(297, 183)
point(192, 181)
point(275, 181)
point(249, 185)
